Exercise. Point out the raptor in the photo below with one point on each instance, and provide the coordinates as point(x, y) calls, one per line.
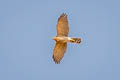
point(62, 38)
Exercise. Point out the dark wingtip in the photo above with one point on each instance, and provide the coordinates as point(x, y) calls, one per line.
point(56, 62)
point(63, 15)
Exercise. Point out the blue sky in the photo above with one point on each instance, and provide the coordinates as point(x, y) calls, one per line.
point(26, 45)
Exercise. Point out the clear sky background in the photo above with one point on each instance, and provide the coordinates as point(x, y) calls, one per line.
point(26, 45)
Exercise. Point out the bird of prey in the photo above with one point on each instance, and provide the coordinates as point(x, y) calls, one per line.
point(62, 38)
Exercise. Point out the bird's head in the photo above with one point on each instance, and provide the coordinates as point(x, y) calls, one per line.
point(54, 38)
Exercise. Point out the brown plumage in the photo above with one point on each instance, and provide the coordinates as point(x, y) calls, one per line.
point(62, 38)
point(75, 40)
point(59, 50)
point(62, 26)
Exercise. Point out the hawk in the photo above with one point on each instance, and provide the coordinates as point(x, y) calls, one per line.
point(62, 38)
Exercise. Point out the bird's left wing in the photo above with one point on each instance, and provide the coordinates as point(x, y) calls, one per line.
point(62, 25)
point(58, 52)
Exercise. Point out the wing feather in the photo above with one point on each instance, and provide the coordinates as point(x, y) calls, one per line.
point(62, 26)
point(58, 52)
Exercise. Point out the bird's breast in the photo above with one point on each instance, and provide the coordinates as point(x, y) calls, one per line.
point(63, 39)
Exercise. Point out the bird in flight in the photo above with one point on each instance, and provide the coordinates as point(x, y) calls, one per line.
point(62, 38)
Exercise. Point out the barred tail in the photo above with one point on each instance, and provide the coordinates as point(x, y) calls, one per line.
point(75, 40)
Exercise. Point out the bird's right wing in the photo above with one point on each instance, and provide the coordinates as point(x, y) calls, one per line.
point(58, 52)
point(62, 26)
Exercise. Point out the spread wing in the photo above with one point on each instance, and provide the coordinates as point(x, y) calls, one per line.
point(62, 26)
point(58, 52)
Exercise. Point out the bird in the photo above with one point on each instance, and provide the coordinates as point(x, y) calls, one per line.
point(62, 38)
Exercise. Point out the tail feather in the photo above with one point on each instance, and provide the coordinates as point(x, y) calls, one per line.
point(75, 40)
